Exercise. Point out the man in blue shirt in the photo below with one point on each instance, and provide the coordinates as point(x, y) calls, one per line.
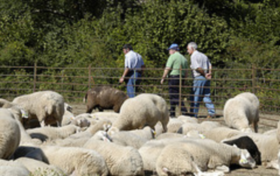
point(134, 65)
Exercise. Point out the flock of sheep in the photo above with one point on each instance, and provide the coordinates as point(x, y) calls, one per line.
point(41, 136)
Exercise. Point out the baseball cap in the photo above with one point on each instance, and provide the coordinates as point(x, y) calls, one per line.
point(174, 46)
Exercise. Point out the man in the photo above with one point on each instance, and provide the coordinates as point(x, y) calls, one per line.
point(134, 66)
point(201, 67)
point(175, 61)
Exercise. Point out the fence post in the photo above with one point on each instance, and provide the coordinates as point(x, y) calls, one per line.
point(89, 75)
point(180, 91)
point(253, 79)
point(34, 77)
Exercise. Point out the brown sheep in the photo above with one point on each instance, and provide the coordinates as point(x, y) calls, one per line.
point(104, 97)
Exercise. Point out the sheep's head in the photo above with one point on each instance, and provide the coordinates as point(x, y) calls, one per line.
point(246, 159)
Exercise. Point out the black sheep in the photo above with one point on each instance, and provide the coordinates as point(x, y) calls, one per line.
point(246, 142)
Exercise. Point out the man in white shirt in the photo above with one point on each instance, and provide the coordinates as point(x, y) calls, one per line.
point(134, 66)
point(201, 67)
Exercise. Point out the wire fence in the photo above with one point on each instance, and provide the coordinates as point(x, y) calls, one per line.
point(73, 82)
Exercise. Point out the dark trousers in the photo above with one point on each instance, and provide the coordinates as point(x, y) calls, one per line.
point(173, 84)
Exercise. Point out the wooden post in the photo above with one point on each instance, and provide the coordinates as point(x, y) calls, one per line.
point(34, 77)
point(89, 75)
point(180, 91)
point(253, 79)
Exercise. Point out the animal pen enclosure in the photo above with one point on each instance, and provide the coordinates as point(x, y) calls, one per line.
point(73, 82)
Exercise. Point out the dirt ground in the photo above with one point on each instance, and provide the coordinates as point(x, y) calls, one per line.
point(267, 122)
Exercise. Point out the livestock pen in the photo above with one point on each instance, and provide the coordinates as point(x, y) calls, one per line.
point(73, 82)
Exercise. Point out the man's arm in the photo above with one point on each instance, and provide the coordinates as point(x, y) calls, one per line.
point(165, 73)
point(123, 75)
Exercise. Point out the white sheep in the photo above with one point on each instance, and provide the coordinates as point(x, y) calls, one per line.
point(209, 154)
point(241, 111)
point(73, 160)
point(119, 159)
point(9, 134)
point(51, 133)
point(38, 167)
point(200, 127)
point(4, 102)
point(126, 138)
point(169, 135)
point(68, 116)
point(174, 125)
point(187, 119)
point(112, 116)
point(24, 136)
point(147, 133)
point(10, 168)
point(151, 150)
point(140, 111)
point(45, 106)
point(79, 139)
point(219, 134)
point(176, 160)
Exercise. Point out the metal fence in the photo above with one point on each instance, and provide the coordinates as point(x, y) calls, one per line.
point(73, 82)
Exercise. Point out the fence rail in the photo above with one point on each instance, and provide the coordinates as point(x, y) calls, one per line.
point(73, 82)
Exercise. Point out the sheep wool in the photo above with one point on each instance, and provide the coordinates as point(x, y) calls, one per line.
point(45, 106)
point(9, 134)
point(120, 160)
point(241, 111)
point(73, 160)
point(142, 110)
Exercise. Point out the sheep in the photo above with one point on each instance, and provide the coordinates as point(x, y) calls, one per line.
point(68, 116)
point(24, 137)
point(4, 102)
point(241, 111)
point(246, 142)
point(220, 133)
point(45, 106)
point(175, 160)
point(119, 159)
point(140, 111)
point(79, 139)
point(187, 119)
point(200, 127)
point(105, 116)
point(174, 125)
point(51, 133)
point(151, 150)
point(73, 160)
point(82, 121)
point(38, 167)
point(147, 133)
point(104, 97)
point(9, 134)
point(169, 135)
point(209, 154)
point(8, 168)
point(127, 138)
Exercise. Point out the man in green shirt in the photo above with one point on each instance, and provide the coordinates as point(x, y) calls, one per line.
point(175, 61)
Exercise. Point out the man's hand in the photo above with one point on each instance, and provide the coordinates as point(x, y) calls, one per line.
point(162, 80)
point(121, 80)
point(208, 76)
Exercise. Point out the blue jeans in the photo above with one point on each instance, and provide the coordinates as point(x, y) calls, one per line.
point(201, 91)
point(132, 83)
